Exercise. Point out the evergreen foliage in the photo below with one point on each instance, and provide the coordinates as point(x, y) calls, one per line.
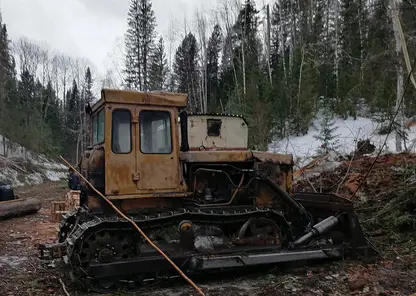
point(139, 44)
point(340, 53)
point(327, 137)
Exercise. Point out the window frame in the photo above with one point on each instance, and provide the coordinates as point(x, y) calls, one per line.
point(170, 131)
point(95, 126)
point(112, 130)
point(215, 121)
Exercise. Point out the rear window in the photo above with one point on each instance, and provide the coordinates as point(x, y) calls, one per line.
point(214, 127)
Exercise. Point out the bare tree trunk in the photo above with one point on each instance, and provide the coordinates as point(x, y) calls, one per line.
point(202, 27)
point(293, 36)
point(399, 66)
point(283, 45)
point(268, 43)
point(243, 53)
point(64, 63)
point(226, 17)
point(336, 48)
point(300, 78)
point(78, 143)
point(360, 25)
point(28, 55)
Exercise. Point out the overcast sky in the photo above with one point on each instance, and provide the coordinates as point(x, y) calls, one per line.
point(88, 28)
point(84, 28)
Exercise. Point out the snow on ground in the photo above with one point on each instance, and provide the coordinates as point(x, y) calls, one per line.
point(349, 131)
point(32, 168)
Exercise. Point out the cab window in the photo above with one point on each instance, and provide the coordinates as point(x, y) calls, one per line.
point(121, 131)
point(98, 128)
point(155, 132)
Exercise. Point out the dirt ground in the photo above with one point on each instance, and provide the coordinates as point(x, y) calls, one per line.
point(22, 274)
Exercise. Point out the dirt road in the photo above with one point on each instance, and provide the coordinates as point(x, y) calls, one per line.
point(22, 274)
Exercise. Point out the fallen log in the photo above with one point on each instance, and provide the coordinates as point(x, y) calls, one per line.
point(19, 207)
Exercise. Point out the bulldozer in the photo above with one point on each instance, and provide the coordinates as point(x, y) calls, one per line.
point(191, 183)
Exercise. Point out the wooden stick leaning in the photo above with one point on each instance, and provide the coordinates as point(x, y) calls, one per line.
point(138, 229)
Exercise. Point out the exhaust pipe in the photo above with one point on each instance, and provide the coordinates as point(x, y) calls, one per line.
point(183, 116)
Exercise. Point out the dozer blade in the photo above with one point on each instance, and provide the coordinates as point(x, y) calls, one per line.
point(321, 206)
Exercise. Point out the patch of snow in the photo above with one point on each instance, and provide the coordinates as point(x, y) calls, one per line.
point(349, 131)
point(55, 176)
point(11, 176)
point(34, 178)
point(36, 167)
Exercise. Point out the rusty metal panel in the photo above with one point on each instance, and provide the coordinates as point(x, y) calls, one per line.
point(136, 173)
point(156, 171)
point(216, 156)
point(144, 98)
point(233, 133)
point(235, 156)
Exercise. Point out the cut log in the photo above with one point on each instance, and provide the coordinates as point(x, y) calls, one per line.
point(19, 207)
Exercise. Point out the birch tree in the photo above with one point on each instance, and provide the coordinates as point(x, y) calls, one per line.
point(399, 67)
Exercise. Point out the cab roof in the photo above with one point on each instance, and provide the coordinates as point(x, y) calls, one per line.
point(158, 98)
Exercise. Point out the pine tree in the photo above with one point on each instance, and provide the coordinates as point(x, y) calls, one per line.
point(159, 69)
point(53, 120)
point(8, 87)
point(88, 82)
point(353, 32)
point(87, 97)
point(185, 69)
point(380, 88)
point(26, 94)
point(73, 123)
point(214, 48)
point(139, 44)
point(327, 134)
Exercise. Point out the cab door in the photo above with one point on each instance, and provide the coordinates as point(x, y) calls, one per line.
point(120, 150)
point(157, 149)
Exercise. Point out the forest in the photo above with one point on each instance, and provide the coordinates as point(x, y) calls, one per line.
point(279, 65)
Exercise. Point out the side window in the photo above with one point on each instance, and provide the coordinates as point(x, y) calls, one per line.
point(121, 131)
point(214, 127)
point(155, 132)
point(94, 129)
point(98, 128)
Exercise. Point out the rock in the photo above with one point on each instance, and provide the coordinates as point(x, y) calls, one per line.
point(364, 147)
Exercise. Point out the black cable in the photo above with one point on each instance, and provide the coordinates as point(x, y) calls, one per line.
point(390, 128)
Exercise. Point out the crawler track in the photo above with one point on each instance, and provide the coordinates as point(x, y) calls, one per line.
point(98, 243)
